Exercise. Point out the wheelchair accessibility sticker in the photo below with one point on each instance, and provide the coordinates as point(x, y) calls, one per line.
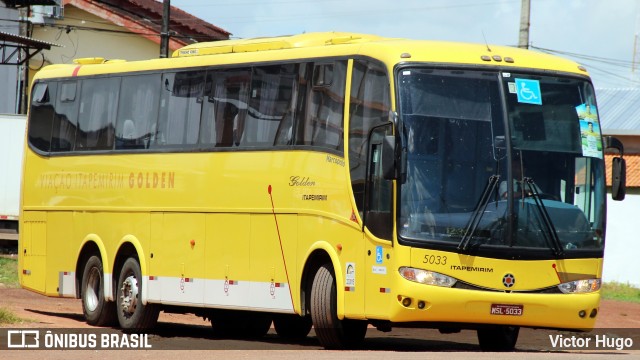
point(528, 91)
point(379, 258)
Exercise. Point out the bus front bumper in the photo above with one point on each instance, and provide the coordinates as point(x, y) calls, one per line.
point(417, 303)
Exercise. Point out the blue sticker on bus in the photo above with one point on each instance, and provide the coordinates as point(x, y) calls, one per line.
point(379, 255)
point(528, 91)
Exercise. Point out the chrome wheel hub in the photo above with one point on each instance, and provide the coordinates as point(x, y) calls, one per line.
point(129, 297)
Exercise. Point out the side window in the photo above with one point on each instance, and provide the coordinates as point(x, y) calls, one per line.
point(137, 111)
point(43, 98)
point(180, 108)
point(370, 103)
point(225, 107)
point(269, 115)
point(98, 105)
point(65, 121)
point(323, 123)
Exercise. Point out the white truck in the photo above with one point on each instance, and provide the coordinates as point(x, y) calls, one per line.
point(12, 137)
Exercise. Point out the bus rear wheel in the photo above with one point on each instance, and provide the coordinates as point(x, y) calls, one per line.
point(132, 313)
point(332, 332)
point(498, 338)
point(96, 309)
point(292, 326)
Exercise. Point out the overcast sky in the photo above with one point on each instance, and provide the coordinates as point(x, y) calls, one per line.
point(600, 32)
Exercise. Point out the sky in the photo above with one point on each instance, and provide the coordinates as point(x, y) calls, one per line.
point(599, 34)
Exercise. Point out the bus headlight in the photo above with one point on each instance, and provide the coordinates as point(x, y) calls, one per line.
point(426, 277)
point(580, 286)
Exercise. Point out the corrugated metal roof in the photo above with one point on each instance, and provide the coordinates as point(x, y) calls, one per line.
point(145, 17)
point(23, 40)
point(619, 111)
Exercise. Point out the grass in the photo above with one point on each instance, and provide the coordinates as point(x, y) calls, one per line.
point(8, 317)
point(620, 291)
point(9, 278)
point(9, 272)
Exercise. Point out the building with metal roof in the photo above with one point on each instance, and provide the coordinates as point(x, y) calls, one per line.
point(620, 117)
point(619, 111)
point(112, 29)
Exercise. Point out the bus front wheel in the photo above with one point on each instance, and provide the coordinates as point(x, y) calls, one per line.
point(332, 332)
point(132, 313)
point(97, 311)
point(499, 338)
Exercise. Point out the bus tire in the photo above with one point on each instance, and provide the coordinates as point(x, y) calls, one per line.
point(293, 327)
point(97, 311)
point(498, 338)
point(132, 314)
point(332, 332)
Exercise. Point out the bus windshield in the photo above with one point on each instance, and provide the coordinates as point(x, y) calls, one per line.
point(500, 162)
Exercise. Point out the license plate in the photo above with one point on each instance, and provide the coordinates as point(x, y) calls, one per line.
point(502, 309)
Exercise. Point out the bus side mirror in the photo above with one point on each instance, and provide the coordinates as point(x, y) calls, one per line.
point(618, 169)
point(618, 178)
point(388, 158)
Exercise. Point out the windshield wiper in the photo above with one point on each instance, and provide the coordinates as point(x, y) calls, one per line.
point(554, 242)
point(474, 221)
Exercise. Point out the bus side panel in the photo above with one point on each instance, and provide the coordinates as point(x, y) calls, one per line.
point(61, 257)
point(177, 266)
point(270, 286)
point(33, 248)
point(381, 265)
point(227, 260)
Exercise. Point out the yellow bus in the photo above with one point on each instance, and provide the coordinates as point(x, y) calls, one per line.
point(332, 180)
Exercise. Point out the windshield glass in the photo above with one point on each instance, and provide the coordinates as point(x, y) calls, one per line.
point(471, 182)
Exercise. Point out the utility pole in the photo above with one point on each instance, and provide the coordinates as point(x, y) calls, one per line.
point(23, 70)
point(164, 33)
point(525, 11)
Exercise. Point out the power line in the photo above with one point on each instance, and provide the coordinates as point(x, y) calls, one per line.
point(589, 60)
point(609, 61)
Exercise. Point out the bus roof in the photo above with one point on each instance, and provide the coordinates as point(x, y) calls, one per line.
point(326, 44)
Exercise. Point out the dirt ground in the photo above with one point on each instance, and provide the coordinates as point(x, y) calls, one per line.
point(44, 312)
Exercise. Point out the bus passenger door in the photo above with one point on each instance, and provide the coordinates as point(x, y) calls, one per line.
point(378, 220)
